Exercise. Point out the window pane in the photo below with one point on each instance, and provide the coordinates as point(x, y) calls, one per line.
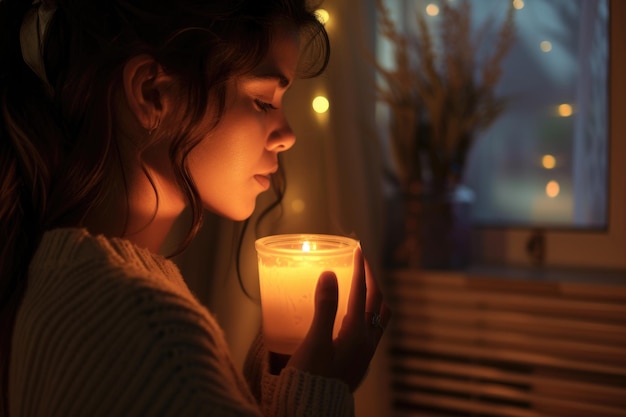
point(544, 161)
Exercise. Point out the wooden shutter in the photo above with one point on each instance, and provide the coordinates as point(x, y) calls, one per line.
point(486, 346)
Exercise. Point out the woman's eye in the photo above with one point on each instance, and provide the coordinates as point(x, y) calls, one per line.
point(263, 106)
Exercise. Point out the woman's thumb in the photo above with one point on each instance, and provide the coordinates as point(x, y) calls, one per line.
point(326, 299)
point(316, 351)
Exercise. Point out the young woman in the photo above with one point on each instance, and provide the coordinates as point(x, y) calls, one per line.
point(116, 115)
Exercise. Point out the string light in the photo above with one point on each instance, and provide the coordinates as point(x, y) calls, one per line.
point(320, 104)
point(432, 10)
point(548, 161)
point(565, 110)
point(298, 205)
point(545, 46)
point(552, 189)
point(322, 15)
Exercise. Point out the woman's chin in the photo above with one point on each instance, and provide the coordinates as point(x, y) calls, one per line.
point(236, 214)
point(240, 218)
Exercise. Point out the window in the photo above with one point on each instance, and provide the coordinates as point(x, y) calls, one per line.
point(544, 162)
point(552, 159)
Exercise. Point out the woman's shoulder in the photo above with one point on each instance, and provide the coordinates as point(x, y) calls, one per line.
point(75, 268)
point(113, 324)
point(69, 250)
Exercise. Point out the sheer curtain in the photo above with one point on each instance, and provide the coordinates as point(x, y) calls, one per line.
point(333, 186)
point(590, 169)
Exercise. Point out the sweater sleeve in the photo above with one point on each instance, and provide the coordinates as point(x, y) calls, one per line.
point(121, 345)
point(293, 392)
point(123, 336)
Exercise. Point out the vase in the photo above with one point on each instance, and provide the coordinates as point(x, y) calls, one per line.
point(436, 232)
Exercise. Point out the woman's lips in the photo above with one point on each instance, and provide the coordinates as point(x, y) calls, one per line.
point(264, 180)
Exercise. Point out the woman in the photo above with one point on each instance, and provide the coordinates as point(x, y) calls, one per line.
point(116, 116)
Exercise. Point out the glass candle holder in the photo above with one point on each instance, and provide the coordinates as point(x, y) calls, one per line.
point(289, 268)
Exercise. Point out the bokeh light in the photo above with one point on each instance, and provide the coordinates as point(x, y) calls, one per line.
point(552, 189)
point(548, 161)
point(432, 10)
point(565, 110)
point(545, 46)
point(320, 104)
point(322, 15)
point(298, 205)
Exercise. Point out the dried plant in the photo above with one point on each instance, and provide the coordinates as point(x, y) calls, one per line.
point(440, 94)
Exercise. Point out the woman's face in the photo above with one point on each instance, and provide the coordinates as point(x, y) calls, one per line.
point(232, 165)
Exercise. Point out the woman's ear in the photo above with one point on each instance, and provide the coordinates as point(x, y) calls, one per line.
point(147, 89)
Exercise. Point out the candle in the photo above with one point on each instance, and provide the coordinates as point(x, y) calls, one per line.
point(289, 267)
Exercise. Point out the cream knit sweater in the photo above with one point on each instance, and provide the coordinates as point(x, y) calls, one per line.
point(110, 329)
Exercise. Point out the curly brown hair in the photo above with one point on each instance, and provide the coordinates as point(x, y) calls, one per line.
point(57, 148)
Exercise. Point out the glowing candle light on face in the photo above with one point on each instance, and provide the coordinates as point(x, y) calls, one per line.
point(289, 267)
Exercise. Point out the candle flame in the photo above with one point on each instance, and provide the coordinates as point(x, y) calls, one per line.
point(306, 246)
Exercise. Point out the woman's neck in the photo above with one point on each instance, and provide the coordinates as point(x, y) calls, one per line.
point(135, 213)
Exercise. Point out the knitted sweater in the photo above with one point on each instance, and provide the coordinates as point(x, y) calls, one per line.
point(109, 329)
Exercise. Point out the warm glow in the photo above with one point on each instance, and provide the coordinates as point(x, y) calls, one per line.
point(545, 46)
point(322, 15)
point(289, 268)
point(432, 10)
point(320, 104)
point(565, 110)
point(518, 4)
point(298, 205)
point(548, 161)
point(552, 189)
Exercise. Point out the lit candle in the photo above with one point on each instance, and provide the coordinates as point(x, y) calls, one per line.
point(289, 267)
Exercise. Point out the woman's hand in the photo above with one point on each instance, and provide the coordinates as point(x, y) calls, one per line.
point(346, 358)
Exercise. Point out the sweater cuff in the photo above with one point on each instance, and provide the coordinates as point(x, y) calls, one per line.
point(299, 393)
point(294, 392)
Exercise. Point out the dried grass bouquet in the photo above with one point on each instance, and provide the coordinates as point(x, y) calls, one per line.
point(441, 91)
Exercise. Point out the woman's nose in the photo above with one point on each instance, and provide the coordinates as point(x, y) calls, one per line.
point(282, 138)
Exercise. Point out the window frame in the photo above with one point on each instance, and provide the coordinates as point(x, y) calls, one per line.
point(573, 248)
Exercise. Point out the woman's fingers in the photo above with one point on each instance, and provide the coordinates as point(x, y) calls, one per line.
point(326, 300)
point(358, 289)
point(374, 296)
point(348, 356)
point(315, 353)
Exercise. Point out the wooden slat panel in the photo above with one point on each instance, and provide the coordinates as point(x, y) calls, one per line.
point(540, 381)
point(593, 351)
point(481, 389)
point(493, 347)
point(563, 287)
point(551, 306)
point(470, 406)
point(575, 329)
point(508, 355)
point(467, 387)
